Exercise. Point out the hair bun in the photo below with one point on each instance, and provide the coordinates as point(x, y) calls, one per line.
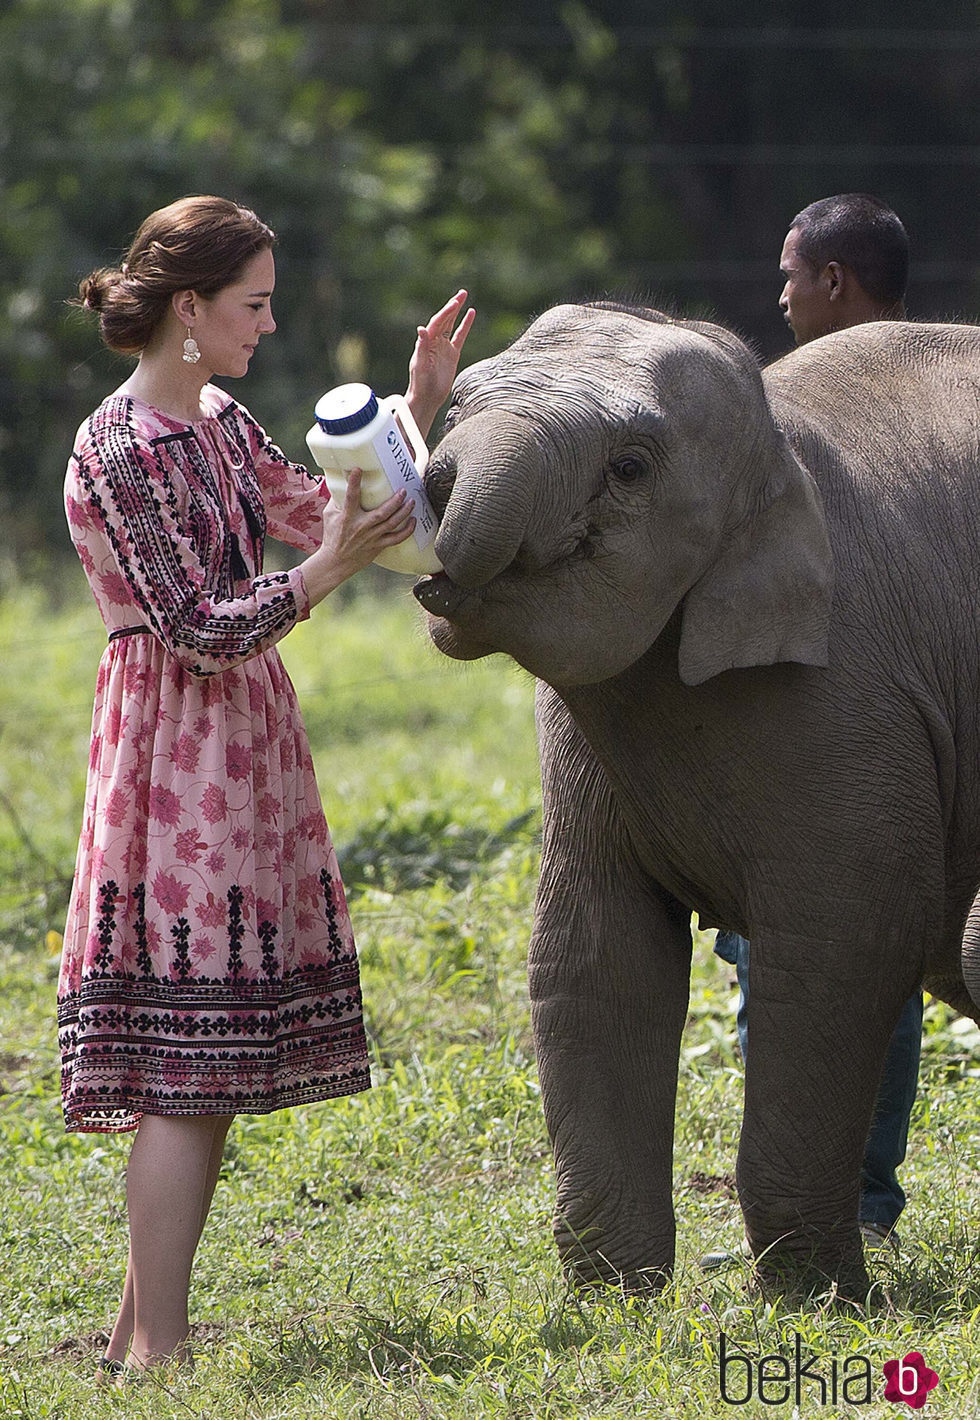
point(96, 286)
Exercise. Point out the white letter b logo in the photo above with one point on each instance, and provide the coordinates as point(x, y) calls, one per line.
point(903, 1371)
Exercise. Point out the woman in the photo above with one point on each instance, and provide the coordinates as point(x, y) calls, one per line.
point(209, 966)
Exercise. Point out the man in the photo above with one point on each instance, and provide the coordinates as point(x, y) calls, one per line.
point(846, 261)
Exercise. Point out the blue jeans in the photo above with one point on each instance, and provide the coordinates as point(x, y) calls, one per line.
point(882, 1196)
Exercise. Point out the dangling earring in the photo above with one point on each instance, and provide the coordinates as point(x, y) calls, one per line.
point(192, 351)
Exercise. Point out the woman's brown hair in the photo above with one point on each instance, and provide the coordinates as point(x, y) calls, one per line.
point(196, 244)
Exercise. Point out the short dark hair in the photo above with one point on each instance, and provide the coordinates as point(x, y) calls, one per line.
point(861, 232)
point(197, 244)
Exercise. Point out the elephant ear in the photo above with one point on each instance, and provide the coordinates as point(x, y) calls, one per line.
point(766, 597)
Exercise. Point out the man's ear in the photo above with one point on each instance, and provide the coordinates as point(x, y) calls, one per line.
point(835, 277)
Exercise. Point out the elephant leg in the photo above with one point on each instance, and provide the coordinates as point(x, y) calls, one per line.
point(821, 1013)
point(609, 975)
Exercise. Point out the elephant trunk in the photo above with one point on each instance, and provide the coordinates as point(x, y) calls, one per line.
point(479, 477)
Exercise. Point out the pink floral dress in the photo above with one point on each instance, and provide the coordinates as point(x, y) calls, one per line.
point(209, 965)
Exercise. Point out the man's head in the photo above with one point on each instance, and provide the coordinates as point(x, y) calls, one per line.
point(846, 261)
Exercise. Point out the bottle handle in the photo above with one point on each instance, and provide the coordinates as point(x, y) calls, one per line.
point(399, 406)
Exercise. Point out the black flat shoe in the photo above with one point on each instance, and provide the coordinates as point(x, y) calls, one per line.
point(109, 1372)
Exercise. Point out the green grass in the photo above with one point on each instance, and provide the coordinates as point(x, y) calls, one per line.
point(389, 1256)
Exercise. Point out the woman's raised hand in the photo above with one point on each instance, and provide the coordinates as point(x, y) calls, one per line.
point(435, 360)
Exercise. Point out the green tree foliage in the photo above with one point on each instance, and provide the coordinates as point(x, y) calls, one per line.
point(533, 152)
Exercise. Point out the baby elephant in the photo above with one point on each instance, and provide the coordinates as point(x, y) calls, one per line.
point(751, 604)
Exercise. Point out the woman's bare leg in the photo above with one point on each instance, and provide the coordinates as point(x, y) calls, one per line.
point(222, 1123)
point(173, 1169)
point(122, 1331)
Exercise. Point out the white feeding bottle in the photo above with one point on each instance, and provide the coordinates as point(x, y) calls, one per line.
point(355, 429)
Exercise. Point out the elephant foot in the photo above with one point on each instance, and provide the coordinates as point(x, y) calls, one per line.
point(808, 1272)
point(595, 1274)
point(592, 1264)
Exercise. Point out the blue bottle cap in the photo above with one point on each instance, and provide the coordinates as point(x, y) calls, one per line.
point(346, 409)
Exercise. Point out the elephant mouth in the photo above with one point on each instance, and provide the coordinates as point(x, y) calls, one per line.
point(442, 599)
point(439, 595)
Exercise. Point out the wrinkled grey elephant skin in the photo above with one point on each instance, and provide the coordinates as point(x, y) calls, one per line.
point(751, 602)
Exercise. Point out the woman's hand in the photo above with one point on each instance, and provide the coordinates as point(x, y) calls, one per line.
point(353, 536)
point(435, 359)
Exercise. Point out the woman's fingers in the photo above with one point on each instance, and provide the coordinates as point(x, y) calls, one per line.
point(445, 318)
point(398, 520)
point(440, 326)
point(459, 339)
point(363, 530)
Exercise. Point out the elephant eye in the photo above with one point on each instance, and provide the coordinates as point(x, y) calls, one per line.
point(628, 469)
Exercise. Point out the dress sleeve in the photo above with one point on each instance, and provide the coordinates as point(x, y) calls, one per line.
point(130, 493)
point(294, 498)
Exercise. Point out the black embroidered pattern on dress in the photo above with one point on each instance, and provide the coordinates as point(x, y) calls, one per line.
point(143, 959)
point(186, 1043)
point(201, 515)
point(329, 906)
point(108, 893)
point(234, 422)
point(270, 961)
point(180, 933)
point(236, 930)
